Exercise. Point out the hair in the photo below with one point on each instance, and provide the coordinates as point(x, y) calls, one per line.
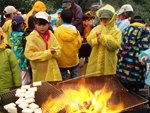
point(67, 15)
point(8, 15)
point(31, 22)
point(3, 18)
point(87, 17)
point(138, 19)
point(40, 21)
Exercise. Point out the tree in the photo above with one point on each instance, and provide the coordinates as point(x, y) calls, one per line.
point(141, 7)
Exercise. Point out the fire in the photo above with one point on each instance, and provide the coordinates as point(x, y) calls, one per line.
point(82, 100)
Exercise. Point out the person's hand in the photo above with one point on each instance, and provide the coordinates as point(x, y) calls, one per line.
point(143, 59)
point(98, 36)
point(53, 50)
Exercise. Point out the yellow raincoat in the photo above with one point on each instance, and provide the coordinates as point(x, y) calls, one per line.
point(43, 63)
point(7, 31)
point(38, 6)
point(10, 75)
point(70, 42)
point(103, 58)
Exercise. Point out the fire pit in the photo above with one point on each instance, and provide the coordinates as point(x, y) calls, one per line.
point(120, 94)
point(51, 96)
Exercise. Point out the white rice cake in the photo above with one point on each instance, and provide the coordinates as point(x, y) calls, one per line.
point(25, 86)
point(33, 106)
point(35, 84)
point(20, 90)
point(19, 95)
point(32, 89)
point(39, 110)
point(12, 109)
point(20, 100)
point(27, 110)
point(30, 95)
point(30, 100)
point(8, 105)
point(23, 105)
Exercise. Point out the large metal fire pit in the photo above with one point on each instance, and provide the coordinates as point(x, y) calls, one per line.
point(110, 82)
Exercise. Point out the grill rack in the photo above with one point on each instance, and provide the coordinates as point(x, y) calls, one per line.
point(130, 99)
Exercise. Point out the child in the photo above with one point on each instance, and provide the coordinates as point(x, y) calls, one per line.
point(88, 22)
point(144, 57)
point(135, 39)
point(124, 16)
point(42, 49)
point(37, 7)
point(9, 12)
point(69, 38)
point(77, 13)
point(59, 21)
point(9, 70)
point(105, 40)
point(17, 46)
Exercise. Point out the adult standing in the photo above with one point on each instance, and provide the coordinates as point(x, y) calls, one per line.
point(77, 13)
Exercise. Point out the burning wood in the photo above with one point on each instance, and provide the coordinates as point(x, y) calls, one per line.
point(82, 101)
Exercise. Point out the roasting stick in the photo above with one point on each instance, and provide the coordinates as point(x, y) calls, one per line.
point(83, 76)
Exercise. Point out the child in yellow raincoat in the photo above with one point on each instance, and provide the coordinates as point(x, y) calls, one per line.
point(9, 12)
point(105, 40)
point(42, 49)
point(70, 40)
point(10, 76)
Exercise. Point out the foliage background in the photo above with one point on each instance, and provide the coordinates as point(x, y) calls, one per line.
point(141, 7)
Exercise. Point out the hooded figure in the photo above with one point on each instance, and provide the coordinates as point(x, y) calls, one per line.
point(105, 41)
point(9, 69)
point(70, 41)
point(77, 13)
point(38, 6)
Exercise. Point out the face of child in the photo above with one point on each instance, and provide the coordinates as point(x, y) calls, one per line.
point(105, 21)
point(91, 22)
point(88, 22)
point(42, 28)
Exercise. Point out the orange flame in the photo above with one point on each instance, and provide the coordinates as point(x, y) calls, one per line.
point(82, 101)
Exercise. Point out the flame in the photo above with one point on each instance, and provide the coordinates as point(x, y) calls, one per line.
point(82, 100)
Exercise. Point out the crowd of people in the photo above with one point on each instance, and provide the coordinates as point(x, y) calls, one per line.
point(33, 50)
